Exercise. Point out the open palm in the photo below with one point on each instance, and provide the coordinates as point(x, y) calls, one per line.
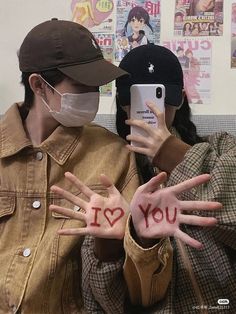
point(105, 217)
point(158, 213)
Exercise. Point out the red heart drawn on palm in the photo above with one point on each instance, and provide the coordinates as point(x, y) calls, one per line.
point(113, 214)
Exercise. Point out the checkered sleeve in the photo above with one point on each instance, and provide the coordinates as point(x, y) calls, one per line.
point(103, 285)
point(218, 158)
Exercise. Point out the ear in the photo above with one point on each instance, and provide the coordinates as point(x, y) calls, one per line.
point(36, 84)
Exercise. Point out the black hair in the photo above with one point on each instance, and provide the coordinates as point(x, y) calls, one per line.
point(182, 123)
point(122, 129)
point(53, 77)
point(138, 13)
point(185, 26)
point(179, 49)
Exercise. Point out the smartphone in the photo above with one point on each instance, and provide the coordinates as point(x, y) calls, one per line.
point(140, 94)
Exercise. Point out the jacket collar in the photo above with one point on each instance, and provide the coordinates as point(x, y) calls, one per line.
point(59, 145)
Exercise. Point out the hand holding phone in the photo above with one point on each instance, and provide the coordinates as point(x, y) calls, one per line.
point(140, 95)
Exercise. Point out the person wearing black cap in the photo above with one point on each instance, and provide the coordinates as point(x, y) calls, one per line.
point(167, 71)
point(200, 278)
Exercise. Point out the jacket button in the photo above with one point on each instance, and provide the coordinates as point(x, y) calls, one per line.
point(26, 252)
point(36, 204)
point(76, 208)
point(39, 155)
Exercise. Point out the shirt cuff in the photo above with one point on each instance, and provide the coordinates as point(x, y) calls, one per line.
point(147, 271)
point(170, 154)
point(139, 254)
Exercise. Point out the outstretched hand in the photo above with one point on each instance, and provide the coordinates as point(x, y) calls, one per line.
point(149, 144)
point(158, 213)
point(105, 217)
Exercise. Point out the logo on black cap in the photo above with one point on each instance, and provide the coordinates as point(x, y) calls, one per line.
point(150, 68)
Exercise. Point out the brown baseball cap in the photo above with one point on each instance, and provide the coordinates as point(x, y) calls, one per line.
point(70, 48)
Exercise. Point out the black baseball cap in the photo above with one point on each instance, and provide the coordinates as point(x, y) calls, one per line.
point(68, 47)
point(151, 64)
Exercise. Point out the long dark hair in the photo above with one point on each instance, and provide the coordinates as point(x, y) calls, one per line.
point(184, 125)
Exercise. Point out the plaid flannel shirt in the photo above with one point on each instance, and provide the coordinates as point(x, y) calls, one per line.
point(200, 278)
point(213, 267)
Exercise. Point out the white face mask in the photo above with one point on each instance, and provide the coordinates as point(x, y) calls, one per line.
point(76, 109)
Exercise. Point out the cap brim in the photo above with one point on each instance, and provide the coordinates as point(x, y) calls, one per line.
point(96, 73)
point(174, 95)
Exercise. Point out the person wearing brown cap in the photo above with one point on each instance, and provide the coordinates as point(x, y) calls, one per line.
point(42, 138)
point(42, 141)
point(201, 280)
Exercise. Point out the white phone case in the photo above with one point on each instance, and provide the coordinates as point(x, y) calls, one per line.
point(140, 94)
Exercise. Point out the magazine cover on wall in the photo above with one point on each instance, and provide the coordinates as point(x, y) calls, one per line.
point(97, 15)
point(198, 18)
point(233, 36)
point(137, 23)
point(195, 58)
point(106, 42)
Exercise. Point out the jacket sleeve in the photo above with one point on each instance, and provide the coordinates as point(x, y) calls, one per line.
point(147, 271)
point(218, 158)
point(103, 286)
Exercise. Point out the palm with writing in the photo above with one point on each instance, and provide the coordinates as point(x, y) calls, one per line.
point(158, 213)
point(105, 217)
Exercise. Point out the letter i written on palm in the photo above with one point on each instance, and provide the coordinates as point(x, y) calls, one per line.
point(105, 217)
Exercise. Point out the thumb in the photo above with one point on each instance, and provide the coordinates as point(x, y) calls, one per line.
point(155, 182)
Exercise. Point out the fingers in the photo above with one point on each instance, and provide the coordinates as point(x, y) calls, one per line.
point(73, 231)
point(141, 124)
point(106, 181)
point(199, 205)
point(187, 239)
point(197, 220)
point(140, 150)
point(142, 140)
point(153, 184)
point(106, 234)
point(191, 183)
point(69, 196)
point(160, 115)
point(67, 212)
point(80, 185)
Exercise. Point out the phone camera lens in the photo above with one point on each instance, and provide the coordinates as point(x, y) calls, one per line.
point(158, 92)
